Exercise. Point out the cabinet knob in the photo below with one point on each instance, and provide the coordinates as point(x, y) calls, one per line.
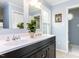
point(43, 56)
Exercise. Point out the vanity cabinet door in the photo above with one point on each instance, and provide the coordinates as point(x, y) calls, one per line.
point(38, 54)
point(43, 53)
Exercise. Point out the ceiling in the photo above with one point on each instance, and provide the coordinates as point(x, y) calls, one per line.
point(54, 2)
point(20, 2)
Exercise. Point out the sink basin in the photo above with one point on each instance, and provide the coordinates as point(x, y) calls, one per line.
point(2, 42)
point(16, 42)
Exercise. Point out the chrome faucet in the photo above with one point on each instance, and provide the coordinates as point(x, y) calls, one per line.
point(8, 39)
point(16, 37)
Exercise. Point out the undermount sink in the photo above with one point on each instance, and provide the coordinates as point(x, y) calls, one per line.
point(16, 42)
point(2, 42)
point(21, 41)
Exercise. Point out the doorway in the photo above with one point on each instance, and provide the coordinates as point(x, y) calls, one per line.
point(73, 30)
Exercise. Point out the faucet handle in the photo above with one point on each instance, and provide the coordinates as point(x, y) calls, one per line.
point(13, 38)
point(19, 37)
point(8, 39)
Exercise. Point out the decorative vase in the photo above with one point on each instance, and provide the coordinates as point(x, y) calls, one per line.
point(32, 34)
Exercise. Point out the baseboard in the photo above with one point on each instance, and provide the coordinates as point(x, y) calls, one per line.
point(74, 45)
point(61, 50)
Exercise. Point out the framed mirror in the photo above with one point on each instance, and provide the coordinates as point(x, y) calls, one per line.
point(1, 17)
point(11, 14)
point(35, 12)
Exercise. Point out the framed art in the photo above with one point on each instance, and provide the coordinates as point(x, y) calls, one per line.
point(58, 18)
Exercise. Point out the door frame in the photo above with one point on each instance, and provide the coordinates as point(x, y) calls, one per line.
point(67, 10)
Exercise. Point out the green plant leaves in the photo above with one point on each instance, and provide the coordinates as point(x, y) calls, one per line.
point(21, 25)
point(32, 26)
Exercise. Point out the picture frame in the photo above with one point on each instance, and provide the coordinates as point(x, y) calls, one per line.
point(58, 18)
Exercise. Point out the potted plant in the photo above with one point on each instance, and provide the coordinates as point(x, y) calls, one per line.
point(20, 25)
point(32, 27)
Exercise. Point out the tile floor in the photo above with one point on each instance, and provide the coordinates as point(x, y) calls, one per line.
point(73, 52)
point(63, 55)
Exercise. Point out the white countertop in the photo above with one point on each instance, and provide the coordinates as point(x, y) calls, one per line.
point(8, 46)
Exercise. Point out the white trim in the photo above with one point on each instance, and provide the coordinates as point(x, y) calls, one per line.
point(61, 50)
point(15, 11)
point(58, 2)
point(37, 14)
point(12, 4)
point(74, 45)
point(67, 10)
point(74, 52)
point(74, 6)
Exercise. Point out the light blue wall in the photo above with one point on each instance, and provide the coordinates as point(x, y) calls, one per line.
point(61, 29)
point(6, 16)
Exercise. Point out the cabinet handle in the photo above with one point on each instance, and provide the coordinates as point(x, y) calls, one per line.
point(43, 56)
point(48, 48)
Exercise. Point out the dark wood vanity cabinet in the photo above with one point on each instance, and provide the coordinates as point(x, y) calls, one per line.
point(43, 49)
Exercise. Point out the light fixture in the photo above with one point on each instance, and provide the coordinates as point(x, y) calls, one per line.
point(70, 16)
point(35, 3)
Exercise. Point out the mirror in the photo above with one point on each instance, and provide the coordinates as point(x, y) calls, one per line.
point(1, 18)
point(11, 15)
point(35, 12)
point(17, 20)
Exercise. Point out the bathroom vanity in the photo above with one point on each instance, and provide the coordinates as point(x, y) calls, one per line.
point(40, 47)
